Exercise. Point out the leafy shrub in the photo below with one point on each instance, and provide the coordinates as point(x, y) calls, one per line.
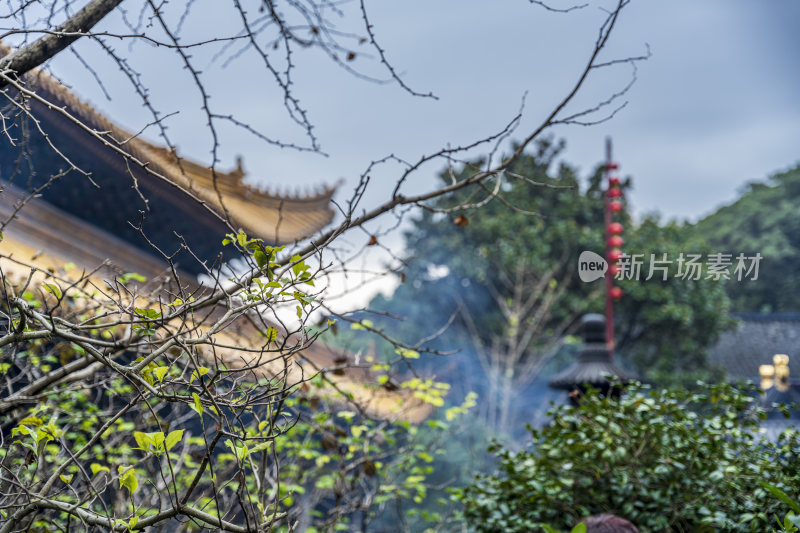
point(668, 460)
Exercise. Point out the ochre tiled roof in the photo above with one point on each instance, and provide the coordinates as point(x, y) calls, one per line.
point(278, 218)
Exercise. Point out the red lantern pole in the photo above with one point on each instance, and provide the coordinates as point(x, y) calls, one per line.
point(610, 165)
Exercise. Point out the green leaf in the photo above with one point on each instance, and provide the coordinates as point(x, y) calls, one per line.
point(241, 451)
point(33, 421)
point(45, 434)
point(125, 278)
point(299, 267)
point(66, 479)
point(53, 289)
point(304, 299)
point(261, 446)
point(145, 332)
point(147, 313)
point(198, 405)
point(173, 438)
point(202, 372)
point(782, 496)
point(325, 482)
point(97, 467)
point(158, 440)
point(160, 372)
point(127, 478)
point(580, 528)
point(425, 456)
point(143, 440)
point(406, 353)
point(261, 258)
point(364, 324)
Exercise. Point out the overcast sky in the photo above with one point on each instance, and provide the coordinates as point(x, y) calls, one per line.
point(714, 107)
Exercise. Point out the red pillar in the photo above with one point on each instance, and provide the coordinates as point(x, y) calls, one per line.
point(610, 165)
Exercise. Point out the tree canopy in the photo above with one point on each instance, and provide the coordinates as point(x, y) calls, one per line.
point(507, 274)
point(765, 220)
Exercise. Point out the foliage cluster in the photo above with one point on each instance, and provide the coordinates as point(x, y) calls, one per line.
point(175, 436)
point(668, 460)
point(765, 220)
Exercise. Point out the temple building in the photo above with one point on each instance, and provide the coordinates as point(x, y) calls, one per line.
point(100, 210)
point(135, 201)
point(765, 349)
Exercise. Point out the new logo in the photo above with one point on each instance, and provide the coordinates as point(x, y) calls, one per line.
point(591, 266)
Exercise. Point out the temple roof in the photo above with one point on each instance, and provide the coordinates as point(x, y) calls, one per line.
point(140, 192)
point(593, 367)
point(277, 218)
point(49, 238)
point(753, 342)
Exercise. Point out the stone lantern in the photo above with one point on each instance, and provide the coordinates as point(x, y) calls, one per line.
point(594, 367)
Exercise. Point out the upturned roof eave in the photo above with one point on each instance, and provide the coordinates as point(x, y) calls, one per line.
point(589, 374)
point(309, 213)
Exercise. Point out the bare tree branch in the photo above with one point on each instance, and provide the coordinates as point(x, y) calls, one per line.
point(35, 54)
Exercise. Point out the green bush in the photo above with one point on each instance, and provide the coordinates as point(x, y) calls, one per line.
point(668, 460)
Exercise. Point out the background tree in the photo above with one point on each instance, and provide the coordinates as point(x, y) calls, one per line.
point(665, 328)
point(507, 273)
point(763, 220)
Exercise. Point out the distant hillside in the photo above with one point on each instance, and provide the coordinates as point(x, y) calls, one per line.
point(765, 219)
